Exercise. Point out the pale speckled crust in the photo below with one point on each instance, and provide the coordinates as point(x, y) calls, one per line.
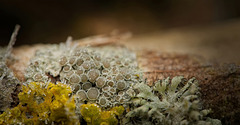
point(168, 102)
point(22, 56)
point(101, 72)
point(8, 83)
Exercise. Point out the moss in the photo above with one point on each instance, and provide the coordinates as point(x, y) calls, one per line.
point(42, 103)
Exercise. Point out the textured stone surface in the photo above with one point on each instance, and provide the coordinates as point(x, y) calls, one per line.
point(219, 83)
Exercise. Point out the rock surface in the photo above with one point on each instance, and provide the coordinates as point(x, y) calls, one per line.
point(219, 83)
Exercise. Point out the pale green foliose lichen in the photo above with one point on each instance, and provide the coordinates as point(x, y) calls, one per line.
point(168, 103)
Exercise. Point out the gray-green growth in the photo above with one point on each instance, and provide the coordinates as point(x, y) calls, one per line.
point(168, 103)
point(8, 82)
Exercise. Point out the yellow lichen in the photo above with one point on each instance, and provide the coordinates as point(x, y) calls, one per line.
point(42, 103)
point(93, 115)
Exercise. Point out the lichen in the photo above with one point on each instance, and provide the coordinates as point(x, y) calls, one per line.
point(92, 73)
point(8, 82)
point(93, 114)
point(97, 85)
point(42, 103)
point(175, 102)
point(102, 76)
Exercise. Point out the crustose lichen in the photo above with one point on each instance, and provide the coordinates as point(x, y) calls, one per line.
point(8, 82)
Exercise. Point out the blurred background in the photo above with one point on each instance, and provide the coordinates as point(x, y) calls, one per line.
point(210, 28)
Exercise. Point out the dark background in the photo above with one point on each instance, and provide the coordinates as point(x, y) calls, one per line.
point(54, 20)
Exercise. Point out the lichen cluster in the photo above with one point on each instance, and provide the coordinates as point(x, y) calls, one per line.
point(93, 114)
point(94, 75)
point(68, 84)
point(42, 103)
point(8, 82)
point(168, 103)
